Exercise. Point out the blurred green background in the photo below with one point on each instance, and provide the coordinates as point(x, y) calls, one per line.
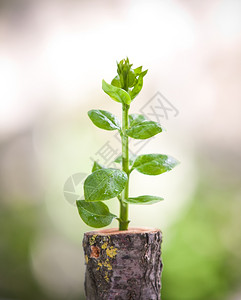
point(53, 56)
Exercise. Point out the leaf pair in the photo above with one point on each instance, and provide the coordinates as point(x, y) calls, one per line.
point(120, 95)
point(102, 184)
point(97, 214)
point(151, 164)
point(140, 127)
point(107, 183)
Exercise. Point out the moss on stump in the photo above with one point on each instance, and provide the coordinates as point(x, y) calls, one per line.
point(123, 265)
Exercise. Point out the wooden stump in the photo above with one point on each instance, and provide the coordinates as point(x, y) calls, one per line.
point(123, 265)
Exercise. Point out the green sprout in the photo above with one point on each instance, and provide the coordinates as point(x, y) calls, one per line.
point(107, 183)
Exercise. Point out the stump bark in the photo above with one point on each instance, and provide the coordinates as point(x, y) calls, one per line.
point(123, 265)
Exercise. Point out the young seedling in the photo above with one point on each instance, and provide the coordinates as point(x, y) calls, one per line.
point(107, 183)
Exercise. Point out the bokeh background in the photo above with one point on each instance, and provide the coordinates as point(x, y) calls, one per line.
point(53, 56)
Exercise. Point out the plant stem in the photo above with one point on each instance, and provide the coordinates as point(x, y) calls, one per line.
point(123, 220)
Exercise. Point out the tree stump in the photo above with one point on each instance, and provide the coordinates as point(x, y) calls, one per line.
point(123, 265)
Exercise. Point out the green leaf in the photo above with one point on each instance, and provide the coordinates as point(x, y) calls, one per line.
point(97, 166)
point(131, 78)
point(136, 119)
point(139, 122)
point(116, 93)
point(154, 164)
point(138, 70)
point(138, 85)
point(104, 119)
point(145, 199)
point(118, 159)
point(95, 214)
point(144, 130)
point(116, 81)
point(104, 184)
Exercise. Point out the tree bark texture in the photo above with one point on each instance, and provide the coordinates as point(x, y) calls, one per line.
point(123, 265)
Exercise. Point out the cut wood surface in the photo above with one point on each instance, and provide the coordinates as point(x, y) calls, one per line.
point(123, 265)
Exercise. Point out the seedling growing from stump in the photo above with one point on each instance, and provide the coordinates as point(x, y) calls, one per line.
point(107, 183)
